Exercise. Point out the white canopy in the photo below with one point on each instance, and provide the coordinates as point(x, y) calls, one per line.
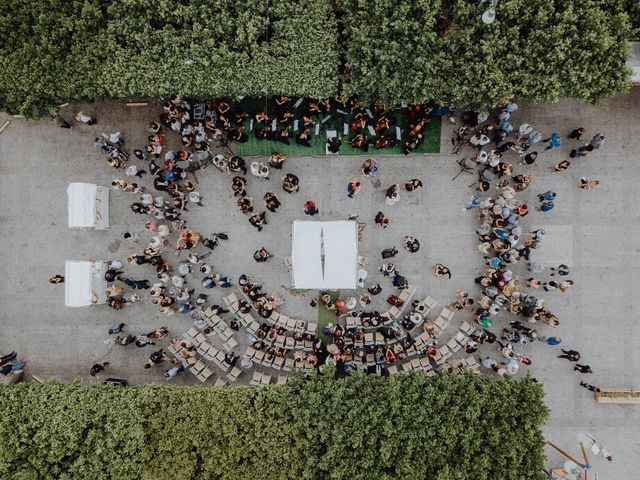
point(88, 206)
point(84, 283)
point(325, 255)
point(633, 61)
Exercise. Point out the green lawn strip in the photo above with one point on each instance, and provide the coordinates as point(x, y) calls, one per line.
point(326, 316)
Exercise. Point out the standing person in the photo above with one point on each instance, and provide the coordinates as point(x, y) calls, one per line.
point(561, 166)
point(353, 187)
point(591, 388)
point(155, 358)
point(586, 184)
point(381, 220)
point(555, 141)
point(173, 372)
point(413, 184)
point(597, 141)
point(310, 208)
point(411, 244)
point(97, 368)
point(258, 220)
point(262, 255)
point(562, 270)
point(290, 183)
point(577, 133)
point(260, 170)
point(113, 138)
point(582, 151)
point(271, 201)
point(582, 368)
point(441, 270)
point(194, 197)
point(133, 171)
point(393, 195)
point(370, 167)
point(571, 355)
point(116, 329)
point(276, 160)
point(59, 122)
point(552, 340)
point(86, 119)
point(530, 158)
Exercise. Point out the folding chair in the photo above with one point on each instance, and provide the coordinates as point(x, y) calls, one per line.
point(394, 312)
point(255, 380)
point(461, 338)
point(406, 367)
point(233, 375)
point(368, 339)
point(220, 382)
point(446, 313)
point(466, 328)
point(282, 380)
point(291, 324)
point(405, 294)
point(226, 334)
point(441, 323)
point(289, 364)
point(379, 338)
point(471, 362)
point(258, 356)
point(278, 363)
point(425, 363)
point(415, 364)
point(453, 345)
point(429, 302)
point(445, 352)
point(197, 368)
point(229, 299)
point(192, 332)
point(204, 374)
point(392, 369)
point(230, 344)
point(265, 380)
point(253, 328)
point(282, 321)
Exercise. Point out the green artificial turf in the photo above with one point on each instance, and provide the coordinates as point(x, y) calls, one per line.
point(326, 316)
point(255, 147)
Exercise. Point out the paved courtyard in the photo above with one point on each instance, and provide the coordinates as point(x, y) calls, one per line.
point(596, 232)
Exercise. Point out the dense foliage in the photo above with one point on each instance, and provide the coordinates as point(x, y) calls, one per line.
point(406, 426)
point(390, 50)
point(541, 50)
point(67, 50)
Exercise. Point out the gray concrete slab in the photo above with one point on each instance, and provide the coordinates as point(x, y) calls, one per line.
point(594, 231)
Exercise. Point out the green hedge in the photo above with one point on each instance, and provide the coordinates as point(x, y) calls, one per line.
point(542, 50)
point(70, 50)
point(407, 426)
point(390, 50)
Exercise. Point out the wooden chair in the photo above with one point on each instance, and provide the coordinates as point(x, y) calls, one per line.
point(230, 344)
point(453, 345)
point(466, 328)
point(278, 363)
point(234, 373)
point(192, 332)
point(446, 313)
point(204, 374)
point(255, 380)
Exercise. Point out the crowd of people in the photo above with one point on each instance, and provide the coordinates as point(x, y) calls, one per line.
point(503, 238)
point(165, 189)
